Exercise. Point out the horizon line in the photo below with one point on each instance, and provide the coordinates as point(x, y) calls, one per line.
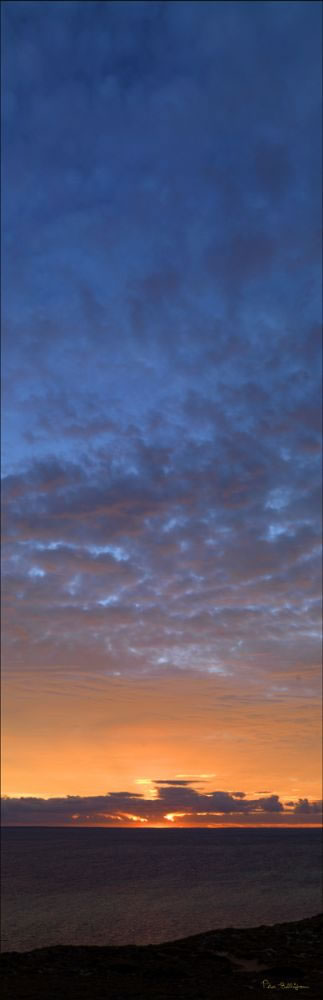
point(157, 826)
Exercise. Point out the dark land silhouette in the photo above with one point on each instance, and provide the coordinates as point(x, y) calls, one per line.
point(220, 964)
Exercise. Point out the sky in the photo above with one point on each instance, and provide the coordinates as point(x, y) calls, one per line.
point(161, 412)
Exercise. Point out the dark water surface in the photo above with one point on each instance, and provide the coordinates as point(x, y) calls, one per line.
point(108, 886)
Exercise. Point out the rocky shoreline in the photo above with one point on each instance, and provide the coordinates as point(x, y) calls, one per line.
point(235, 962)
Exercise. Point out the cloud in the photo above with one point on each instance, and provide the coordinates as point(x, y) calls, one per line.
point(177, 782)
point(171, 803)
point(162, 357)
point(308, 808)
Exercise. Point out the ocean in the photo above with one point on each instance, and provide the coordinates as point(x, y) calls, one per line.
point(119, 886)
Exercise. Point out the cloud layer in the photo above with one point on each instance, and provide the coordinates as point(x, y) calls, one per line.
point(174, 803)
point(162, 349)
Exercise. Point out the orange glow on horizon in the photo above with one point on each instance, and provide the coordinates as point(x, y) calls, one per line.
point(90, 740)
point(173, 816)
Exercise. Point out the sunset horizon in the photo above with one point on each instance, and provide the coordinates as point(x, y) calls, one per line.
point(162, 400)
point(162, 498)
